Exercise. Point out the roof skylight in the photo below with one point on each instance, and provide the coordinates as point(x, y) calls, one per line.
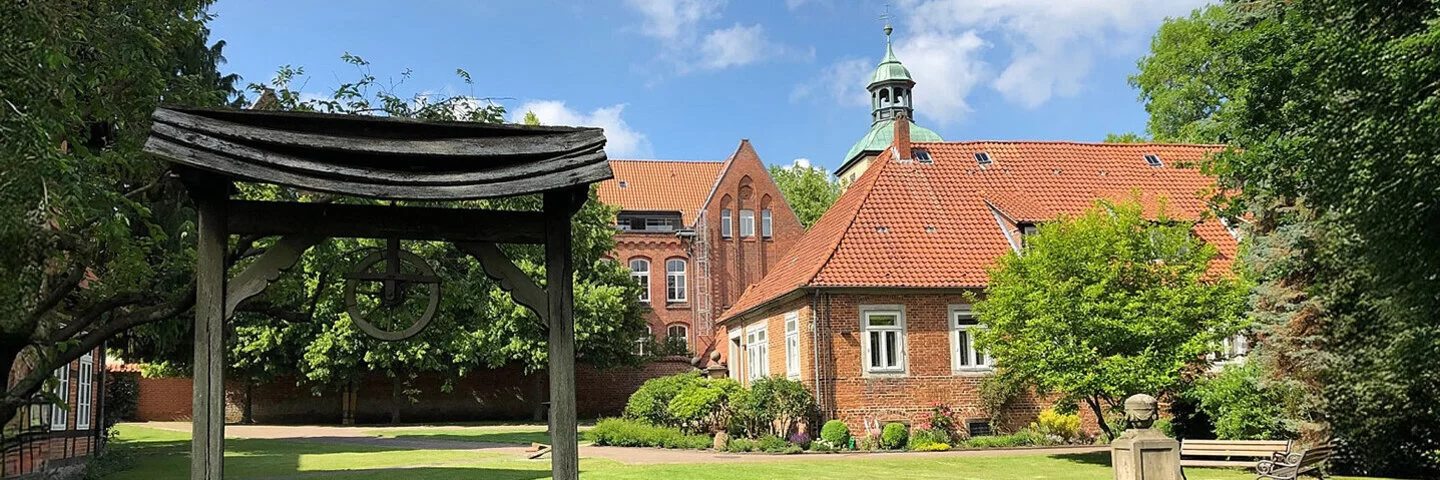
point(1153, 160)
point(983, 158)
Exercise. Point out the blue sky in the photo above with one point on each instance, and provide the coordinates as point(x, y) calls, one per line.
point(687, 79)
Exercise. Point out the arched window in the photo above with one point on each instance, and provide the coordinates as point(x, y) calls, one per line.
point(679, 333)
point(675, 280)
point(885, 97)
point(640, 274)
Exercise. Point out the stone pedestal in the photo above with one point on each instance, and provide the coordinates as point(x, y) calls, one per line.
point(1142, 453)
point(1145, 454)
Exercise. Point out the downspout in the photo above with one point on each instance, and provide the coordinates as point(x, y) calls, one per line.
point(815, 347)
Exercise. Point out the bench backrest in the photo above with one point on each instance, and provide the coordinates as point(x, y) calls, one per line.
point(1229, 453)
point(1315, 456)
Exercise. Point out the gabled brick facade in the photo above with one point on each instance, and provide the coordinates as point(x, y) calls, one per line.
point(718, 268)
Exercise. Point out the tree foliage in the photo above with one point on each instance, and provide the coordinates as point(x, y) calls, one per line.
point(97, 238)
point(1107, 304)
point(1332, 107)
point(809, 190)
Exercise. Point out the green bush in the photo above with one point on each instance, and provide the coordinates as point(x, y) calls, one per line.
point(1242, 405)
point(836, 432)
point(1165, 426)
point(775, 406)
point(922, 438)
point(651, 402)
point(1023, 438)
point(894, 436)
point(821, 446)
point(773, 444)
point(1067, 427)
point(626, 433)
point(741, 445)
point(122, 397)
point(706, 405)
point(933, 447)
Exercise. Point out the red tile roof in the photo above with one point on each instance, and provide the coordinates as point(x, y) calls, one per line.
point(911, 224)
point(660, 185)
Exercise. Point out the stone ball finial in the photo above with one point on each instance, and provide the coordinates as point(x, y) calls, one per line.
point(1141, 410)
point(715, 357)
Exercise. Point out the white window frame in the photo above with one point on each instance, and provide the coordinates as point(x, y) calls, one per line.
point(84, 393)
point(684, 333)
point(727, 229)
point(900, 365)
point(1233, 350)
point(963, 353)
point(735, 353)
point(675, 281)
point(641, 277)
point(747, 223)
point(757, 352)
point(59, 419)
point(644, 340)
point(767, 227)
point(792, 345)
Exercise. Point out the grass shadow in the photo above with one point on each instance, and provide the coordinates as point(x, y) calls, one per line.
point(1094, 458)
point(515, 438)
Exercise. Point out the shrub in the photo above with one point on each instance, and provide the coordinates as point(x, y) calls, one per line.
point(1242, 405)
point(823, 446)
point(942, 418)
point(920, 439)
point(775, 406)
point(1165, 426)
point(894, 436)
point(1067, 427)
point(933, 447)
point(836, 432)
point(741, 445)
point(773, 444)
point(800, 439)
point(122, 397)
point(1023, 438)
point(706, 405)
point(651, 402)
point(626, 433)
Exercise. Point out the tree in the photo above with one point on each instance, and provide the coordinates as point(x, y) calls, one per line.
point(96, 235)
point(1331, 105)
point(1127, 137)
point(1107, 304)
point(809, 190)
point(300, 324)
point(530, 119)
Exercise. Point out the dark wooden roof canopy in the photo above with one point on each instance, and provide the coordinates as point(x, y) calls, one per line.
point(380, 157)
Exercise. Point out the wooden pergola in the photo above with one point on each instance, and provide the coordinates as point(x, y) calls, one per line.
point(377, 158)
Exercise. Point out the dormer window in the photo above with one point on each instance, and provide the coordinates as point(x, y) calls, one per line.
point(921, 155)
point(983, 159)
point(648, 221)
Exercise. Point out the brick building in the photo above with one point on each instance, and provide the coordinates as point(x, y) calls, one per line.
point(46, 439)
point(697, 234)
point(869, 310)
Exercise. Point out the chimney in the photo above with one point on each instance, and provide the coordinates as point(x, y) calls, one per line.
point(902, 135)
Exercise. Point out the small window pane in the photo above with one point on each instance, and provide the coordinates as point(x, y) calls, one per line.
point(747, 223)
point(962, 344)
point(882, 320)
point(875, 349)
point(765, 223)
point(890, 348)
point(725, 224)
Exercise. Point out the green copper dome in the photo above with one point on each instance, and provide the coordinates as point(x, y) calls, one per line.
point(890, 68)
point(882, 134)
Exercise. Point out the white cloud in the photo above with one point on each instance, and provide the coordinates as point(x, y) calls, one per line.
point(735, 46)
point(1029, 51)
point(621, 141)
point(1052, 44)
point(842, 82)
point(677, 26)
point(670, 19)
point(796, 4)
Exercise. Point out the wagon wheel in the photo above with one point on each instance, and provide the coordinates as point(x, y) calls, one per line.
point(392, 294)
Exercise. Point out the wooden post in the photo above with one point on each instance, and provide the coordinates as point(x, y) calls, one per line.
point(559, 286)
point(207, 449)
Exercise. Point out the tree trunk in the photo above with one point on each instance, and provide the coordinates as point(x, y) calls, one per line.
point(1095, 407)
point(537, 396)
point(395, 395)
point(247, 416)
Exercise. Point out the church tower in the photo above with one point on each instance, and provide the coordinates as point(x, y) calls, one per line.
point(891, 93)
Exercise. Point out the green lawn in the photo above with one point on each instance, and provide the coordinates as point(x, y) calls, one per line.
point(519, 435)
point(161, 455)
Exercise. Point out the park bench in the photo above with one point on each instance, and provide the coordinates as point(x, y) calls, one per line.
point(1293, 464)
point(1230, 453)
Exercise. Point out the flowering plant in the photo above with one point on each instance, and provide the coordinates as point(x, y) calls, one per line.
point(942, 418)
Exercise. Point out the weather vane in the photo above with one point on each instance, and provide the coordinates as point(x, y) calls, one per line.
point(885, 17)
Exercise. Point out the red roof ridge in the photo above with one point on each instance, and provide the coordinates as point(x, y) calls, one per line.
point(657, 160)
point(1074, 142)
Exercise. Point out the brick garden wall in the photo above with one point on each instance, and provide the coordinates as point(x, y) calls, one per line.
point(498, 394)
